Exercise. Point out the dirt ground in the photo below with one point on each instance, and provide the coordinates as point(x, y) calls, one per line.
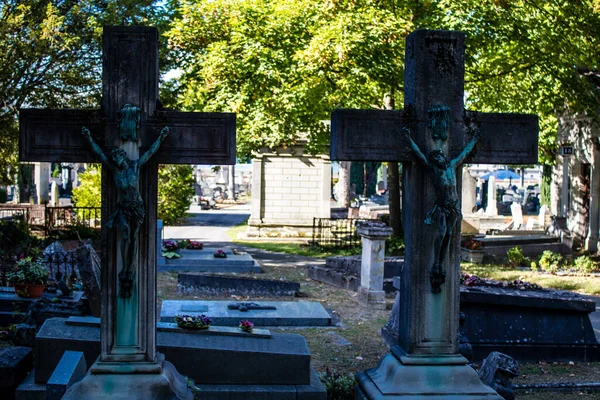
point(354, 344)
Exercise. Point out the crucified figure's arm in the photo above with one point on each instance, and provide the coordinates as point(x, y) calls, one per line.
point(468, 148)
point(95, 148)
point(415, 149)
point(155, 146)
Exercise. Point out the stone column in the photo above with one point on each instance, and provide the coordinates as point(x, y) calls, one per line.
point(469, 191)
point(42, 179)
point(256, 214)
point(373, 234)
point(591, 241)
point(160, 260)
point(54, 201)
point(492, 208)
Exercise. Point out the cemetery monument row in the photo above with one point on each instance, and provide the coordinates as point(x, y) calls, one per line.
point(422, 330)
point(129, 365)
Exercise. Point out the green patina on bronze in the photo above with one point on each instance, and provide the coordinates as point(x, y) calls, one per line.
point(130, 212)
point(439, 121)
point(129, 122)
point(445, 212)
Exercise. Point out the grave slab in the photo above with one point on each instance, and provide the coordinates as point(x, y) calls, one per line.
point(71, 368)
point(282, 359)
point(189, 283)
point(286, 313)
point(204, 261)
point(15, 363)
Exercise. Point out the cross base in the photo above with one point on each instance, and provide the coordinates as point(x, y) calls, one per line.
point(401, 376)
point(124, 381)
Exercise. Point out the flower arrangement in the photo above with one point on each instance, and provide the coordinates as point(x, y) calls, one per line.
point(471, 244)
point(220, 254)
point(246, 326)
point(170, 249)
point(194, 245)
point(193, 321)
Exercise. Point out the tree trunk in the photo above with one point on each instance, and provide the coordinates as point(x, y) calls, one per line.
point(395, 201)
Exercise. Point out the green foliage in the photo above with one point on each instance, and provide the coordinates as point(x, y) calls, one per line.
point(338, 386)
point(175, 192)
point(585, 264)
point(394, 246)
point(50, 57)
point(28, 271)
point(515, 257)
point(550, 262)
point(88, 194)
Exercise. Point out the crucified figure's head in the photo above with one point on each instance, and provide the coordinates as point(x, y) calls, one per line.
point(119, 158)
point(438, 158)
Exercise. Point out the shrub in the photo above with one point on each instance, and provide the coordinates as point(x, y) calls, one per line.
point(175, 192)
point(550, 262)
point(394, 246)
point(585, 264)
point(515, 257)
point(338, 386)
point(88, 194)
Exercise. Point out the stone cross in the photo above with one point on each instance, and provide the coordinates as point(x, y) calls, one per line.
point(129, 89)
point(423, 327)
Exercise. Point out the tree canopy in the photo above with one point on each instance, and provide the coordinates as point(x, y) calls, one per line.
point(284, 65)
point(50, 57)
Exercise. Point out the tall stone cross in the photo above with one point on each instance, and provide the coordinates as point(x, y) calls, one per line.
point(130, 119)
point(423, 327)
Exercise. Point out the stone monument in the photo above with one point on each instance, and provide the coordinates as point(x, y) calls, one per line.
point(128, 124)
point(423, 327)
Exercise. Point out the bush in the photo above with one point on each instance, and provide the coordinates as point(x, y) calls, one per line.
point(515, 257)
point(88, 194)
point(175, 192)
point(585, 264)
point(394, 246)
point(338, 386)
point(550, 262)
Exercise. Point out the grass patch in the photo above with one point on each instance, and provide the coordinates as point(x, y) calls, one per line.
point(578, 283)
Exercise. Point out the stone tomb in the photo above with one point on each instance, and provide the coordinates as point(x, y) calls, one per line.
point(271, 313)
point(192, 284)
point(234, 366)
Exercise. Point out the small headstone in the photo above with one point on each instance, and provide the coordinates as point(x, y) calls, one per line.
point(497, 372)
point(15, 363)
point(71, 368)
point(492, 208)
point(517, 215)
point(54, 194)
point(88, 263)
point(469, 190)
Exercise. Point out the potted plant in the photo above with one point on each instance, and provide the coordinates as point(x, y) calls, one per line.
point(195, 245)
point(29, 278)
point(246, 326)
point(471, 251)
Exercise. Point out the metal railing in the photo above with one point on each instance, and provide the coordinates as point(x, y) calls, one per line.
point(59, 265)
point(63, 218)
point(336, 232)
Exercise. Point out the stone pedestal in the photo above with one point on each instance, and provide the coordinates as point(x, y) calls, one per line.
point(371, 292)
point(42, 179)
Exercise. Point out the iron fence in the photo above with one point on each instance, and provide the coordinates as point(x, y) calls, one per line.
point(336, 232)
point(64, 218)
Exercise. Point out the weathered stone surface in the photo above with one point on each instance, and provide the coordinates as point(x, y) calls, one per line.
point(88, 263)
point(30, 390)
point(45, 308)
point(204, 261)
point(286, 313)
point(217, 284)
point(497, 371)
point(392, 266)
point(15, 363)
point(529, 324)
point(70, 369)
point(284, 359)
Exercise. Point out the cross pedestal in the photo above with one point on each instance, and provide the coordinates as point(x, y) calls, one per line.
point(129, 366)
point(423, 327)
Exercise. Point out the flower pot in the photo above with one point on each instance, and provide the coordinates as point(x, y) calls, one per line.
point(472, 256)
point(29, 291)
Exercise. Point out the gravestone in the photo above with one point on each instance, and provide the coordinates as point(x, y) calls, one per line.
point(54, 194)
point(130, 120)
point(88, 264)
point(373, 236)
point(492, 207)
point(423, 327)
point(42, 179)
point(469, 192)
